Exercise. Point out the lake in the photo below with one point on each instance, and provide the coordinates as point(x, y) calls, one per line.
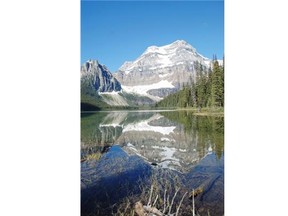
point(131, 156)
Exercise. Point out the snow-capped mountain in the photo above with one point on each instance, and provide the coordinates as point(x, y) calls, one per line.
point(160, 71)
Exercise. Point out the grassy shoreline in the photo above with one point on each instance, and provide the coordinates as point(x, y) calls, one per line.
point(219, 111)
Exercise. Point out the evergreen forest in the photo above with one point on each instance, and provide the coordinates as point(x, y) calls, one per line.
point(205, 90)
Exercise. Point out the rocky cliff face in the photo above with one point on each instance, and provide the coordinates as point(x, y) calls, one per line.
point(160, 71)
point(98, 77)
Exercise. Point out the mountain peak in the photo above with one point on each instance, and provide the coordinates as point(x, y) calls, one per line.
point(94, 63)
point(169, 48)
point(97, 77)
point(180, 42)
point(175, 53)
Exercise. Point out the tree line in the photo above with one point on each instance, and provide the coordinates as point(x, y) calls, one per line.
point(205, 90)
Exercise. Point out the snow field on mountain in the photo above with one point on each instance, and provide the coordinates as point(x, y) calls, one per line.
point(143, 89)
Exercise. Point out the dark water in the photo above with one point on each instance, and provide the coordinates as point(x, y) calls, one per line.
point(124, 153)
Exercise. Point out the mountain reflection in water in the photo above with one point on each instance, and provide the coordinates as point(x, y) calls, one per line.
point(190, 145)
point(156, 138)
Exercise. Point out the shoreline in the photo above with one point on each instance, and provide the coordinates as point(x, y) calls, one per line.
point(204, 111)
point(218, 112)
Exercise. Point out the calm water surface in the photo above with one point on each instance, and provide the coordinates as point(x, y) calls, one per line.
point(124, 152)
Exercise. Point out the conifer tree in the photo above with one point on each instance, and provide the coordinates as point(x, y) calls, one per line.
point(217, 88)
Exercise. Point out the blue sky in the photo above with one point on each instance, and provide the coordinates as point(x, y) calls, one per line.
point(117, 31)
